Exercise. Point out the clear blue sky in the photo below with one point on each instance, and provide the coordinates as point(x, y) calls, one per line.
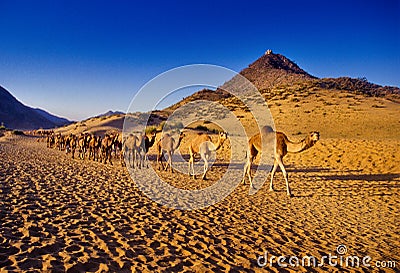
point(80, 58)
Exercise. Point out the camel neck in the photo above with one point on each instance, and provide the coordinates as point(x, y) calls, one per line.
point(297, 147)
point(219, 144)
point(178, 143)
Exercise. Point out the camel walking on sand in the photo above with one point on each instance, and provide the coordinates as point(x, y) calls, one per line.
point(71, 144)
point(94, 147)
point(167, 144)
point(131, 149)
point(106, 147)
point(283, 146)
point(147, 143)
point(203, 145)
point(136, 149)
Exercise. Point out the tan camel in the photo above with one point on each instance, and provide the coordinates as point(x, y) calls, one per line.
point(131, 148)
point(136, 149)
point(167, 144)
point(283, 146)
point(203, 145)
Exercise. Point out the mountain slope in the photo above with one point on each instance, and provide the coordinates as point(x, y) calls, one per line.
point(272, 74)
point(274, 69)
point(15, 115)
point(56, 120)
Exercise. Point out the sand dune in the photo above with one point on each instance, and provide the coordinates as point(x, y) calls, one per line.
point(59, 214)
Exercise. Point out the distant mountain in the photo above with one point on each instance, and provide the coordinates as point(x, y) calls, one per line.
point(110, 113)
point(56, 120)
point(15, 115)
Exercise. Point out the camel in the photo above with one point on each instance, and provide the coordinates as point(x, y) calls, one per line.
point(83, 144)
point(283, 146)
point(132, 146)
point(106, 148)
point(167, 144)
point(202, 144)
point(94, 147)
point(147, 143)
point(50, 140)
point(71, 144)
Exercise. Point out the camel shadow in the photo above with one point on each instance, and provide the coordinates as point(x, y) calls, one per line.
point(362, 177)
point(293, 169)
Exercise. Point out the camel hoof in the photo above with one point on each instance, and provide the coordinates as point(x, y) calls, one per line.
point(271, 189)
point(289, 195)
point(204, 178)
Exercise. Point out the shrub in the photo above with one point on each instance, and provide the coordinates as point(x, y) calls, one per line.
point(17, 133)
point(150, 129)
point(201, 128)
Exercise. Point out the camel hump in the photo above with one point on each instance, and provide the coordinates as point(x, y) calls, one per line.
point(266, 130)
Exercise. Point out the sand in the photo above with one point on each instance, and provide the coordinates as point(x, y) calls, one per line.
point(63, 215)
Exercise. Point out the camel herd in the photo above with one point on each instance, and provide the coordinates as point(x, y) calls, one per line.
point(87, 145)
point(133, 149)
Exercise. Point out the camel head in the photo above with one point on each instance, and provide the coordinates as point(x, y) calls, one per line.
point(313, 137)
point(222, 137)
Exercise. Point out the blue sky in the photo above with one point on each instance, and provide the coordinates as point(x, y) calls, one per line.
point(80, 58)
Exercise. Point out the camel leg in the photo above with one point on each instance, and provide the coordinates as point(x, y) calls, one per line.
point(271, 187)
point(140, 160)
point(129, 155)
point(193, 174)
point(109, 157)
point(191, 164)
point(143, 157)
point(280, 162)
point(245, 170)
point(159, 161)
point(166, 163)
point(135, 163)
point(205, 169)
point(170, 162)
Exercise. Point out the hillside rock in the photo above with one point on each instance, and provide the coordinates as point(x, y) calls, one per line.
point(15, 115)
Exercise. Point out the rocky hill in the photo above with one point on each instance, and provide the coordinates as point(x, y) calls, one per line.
point(15, 115)
point(273, 74)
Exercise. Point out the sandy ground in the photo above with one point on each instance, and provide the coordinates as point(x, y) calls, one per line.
point(59, 214)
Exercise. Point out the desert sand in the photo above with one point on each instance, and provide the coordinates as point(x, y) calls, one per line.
point(63, 215)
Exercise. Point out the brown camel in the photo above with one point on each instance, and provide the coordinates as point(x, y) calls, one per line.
point(167, 144)
point(71, 144)
point(94, 147)
point(106, 147)
point(283, 146)
point(83, 144)
point(146, 144)
point(202, 144)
